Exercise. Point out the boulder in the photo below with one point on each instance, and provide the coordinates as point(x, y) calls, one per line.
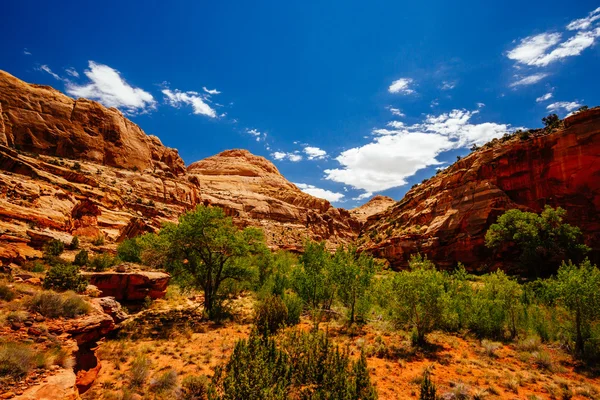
point(130, 286)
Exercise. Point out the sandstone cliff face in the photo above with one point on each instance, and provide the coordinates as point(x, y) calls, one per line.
point(75, 168)
point(251, 189)
point(446, 217)
point(42, 120)
point(376, 205)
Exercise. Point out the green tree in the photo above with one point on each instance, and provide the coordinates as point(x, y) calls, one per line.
point(419, 298)
point(577, 288)
point(130, 250)
point(353, 273)
point(313, 280)
point(204, 251)
point(551, 121)
point(497, 306)
point(543, 240)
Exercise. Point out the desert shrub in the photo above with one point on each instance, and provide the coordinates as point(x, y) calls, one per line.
point(459, 307)
point(270, 314)
point(53, 305)
point(428, 390)
point(313, 280)
point(81, 258)
point(130, 250)
point(102, 262)
point(65, 277)
point(195, 387)
point(551, 121)
point(543, 360)
point(98, 240)
point(76, 166)
point(74, 245)
point(353, 274)
point(294, 306)
point(490, 348)
point(16, 359)
point(529, 344)
point(140, 370)
point(310, 367)
point(6, 293)
point(166, 382)
point(497, 306)
point(575, 287)
point(419, 298)
point(54, 248)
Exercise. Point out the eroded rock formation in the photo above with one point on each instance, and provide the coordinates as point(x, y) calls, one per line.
point(446, 217)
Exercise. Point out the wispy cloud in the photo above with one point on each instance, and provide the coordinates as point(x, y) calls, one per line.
point(108, 87)
point(47, 69)
point(394, 155)
point(528, 80)
point(545, 97)
point(321, 193)
point(72, 71)
point(177, 98)
point(363, 196)
point(448, 85)
point(257, 134)
point(395, 111)
point(26, 52)
point(568, 106)
point(546, 48)
point(402, 86)
point(211, 91)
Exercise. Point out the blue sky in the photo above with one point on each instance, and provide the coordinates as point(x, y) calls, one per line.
point(347, 98)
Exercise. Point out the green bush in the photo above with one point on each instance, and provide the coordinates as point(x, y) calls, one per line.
point(166, 382)
point(419, 296)
point(428, 391)
point(65, 277)
point(140, 370)
point(6, 293)
point(54, 248)
point(195, 387)
point(294, 306)
point(99, 240)
point(130, 250)
point(54, 305)
point(103, 262)
point(74, 243)
point(311, 367)
point(81, 258)
point(270, 315)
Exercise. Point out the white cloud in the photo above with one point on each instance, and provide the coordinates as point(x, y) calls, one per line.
point(545, 97)
point(447, 85)
point(480, 105)
point(321, 193)
point(47, 69)
point(176, 98)
point(393, 156)
point(532, 48)
point(584, 23)
point(529, 80)
point(363, 196)
point(257, 134)
point(396, 124)
point(73, 72)
point(26, 52)
point(545, 48)
point(396, 111)
point(210, 91)
point(109, 88)
point(315, 153)
point(565, 105)
point(401, 86)
point(280, 155)
point(434, 103)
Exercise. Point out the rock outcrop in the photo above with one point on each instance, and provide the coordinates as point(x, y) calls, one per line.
point(251, 190)
point(130, 286)
point(376, 205)
point(447, 216)
point(42, 120)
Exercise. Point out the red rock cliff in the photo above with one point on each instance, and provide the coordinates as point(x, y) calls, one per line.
point(447, 216)
point(42, 120)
